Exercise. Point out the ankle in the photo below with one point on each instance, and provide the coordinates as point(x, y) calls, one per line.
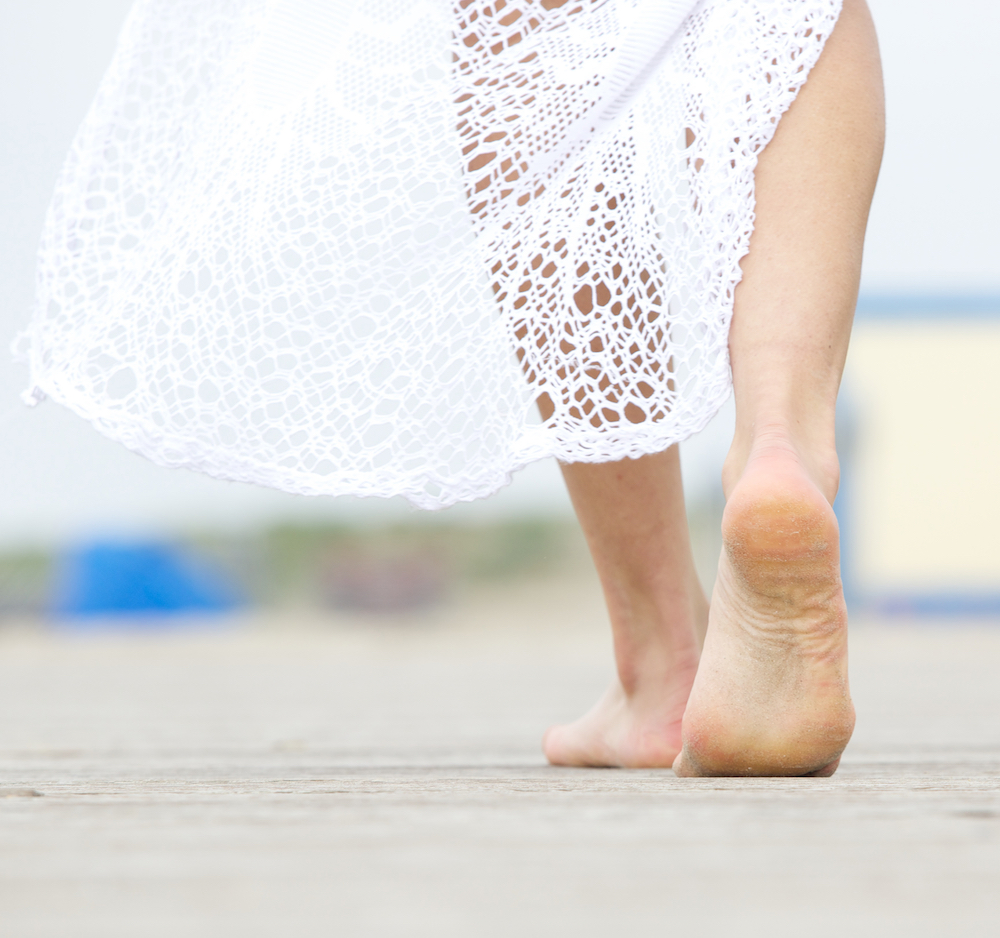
point(778, 441)
point(654, 648)
point(653, 673)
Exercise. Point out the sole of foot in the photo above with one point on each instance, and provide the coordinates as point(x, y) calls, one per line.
point(771, 696)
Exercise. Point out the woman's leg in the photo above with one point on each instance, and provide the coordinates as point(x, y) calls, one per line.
point(771, 695)
point(632, 513)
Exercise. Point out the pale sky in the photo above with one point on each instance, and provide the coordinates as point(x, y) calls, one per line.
point(933, 229)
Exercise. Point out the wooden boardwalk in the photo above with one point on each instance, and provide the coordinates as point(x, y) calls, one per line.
point(297, 777)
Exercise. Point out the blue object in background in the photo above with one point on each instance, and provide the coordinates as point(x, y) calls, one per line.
point(130, 579)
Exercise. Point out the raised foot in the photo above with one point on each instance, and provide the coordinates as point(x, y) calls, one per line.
point(771, 696)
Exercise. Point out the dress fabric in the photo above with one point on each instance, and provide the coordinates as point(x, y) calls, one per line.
point(348, 247)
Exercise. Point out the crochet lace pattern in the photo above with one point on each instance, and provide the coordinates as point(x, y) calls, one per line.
point(356, 248)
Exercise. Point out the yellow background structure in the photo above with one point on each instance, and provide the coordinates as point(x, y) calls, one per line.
point(924, 502)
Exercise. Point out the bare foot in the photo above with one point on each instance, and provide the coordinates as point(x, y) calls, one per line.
point(771, 695)
point(632, 513)
point(637, 730)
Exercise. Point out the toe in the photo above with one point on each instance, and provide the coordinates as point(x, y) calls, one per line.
point(826, 771)
point(575, 744)
point(683, 767)
point(554, 746)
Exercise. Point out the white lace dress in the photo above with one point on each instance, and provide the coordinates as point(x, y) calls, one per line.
point(350, 247)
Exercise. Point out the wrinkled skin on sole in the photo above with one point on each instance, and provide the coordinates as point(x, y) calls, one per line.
point(771, 695)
